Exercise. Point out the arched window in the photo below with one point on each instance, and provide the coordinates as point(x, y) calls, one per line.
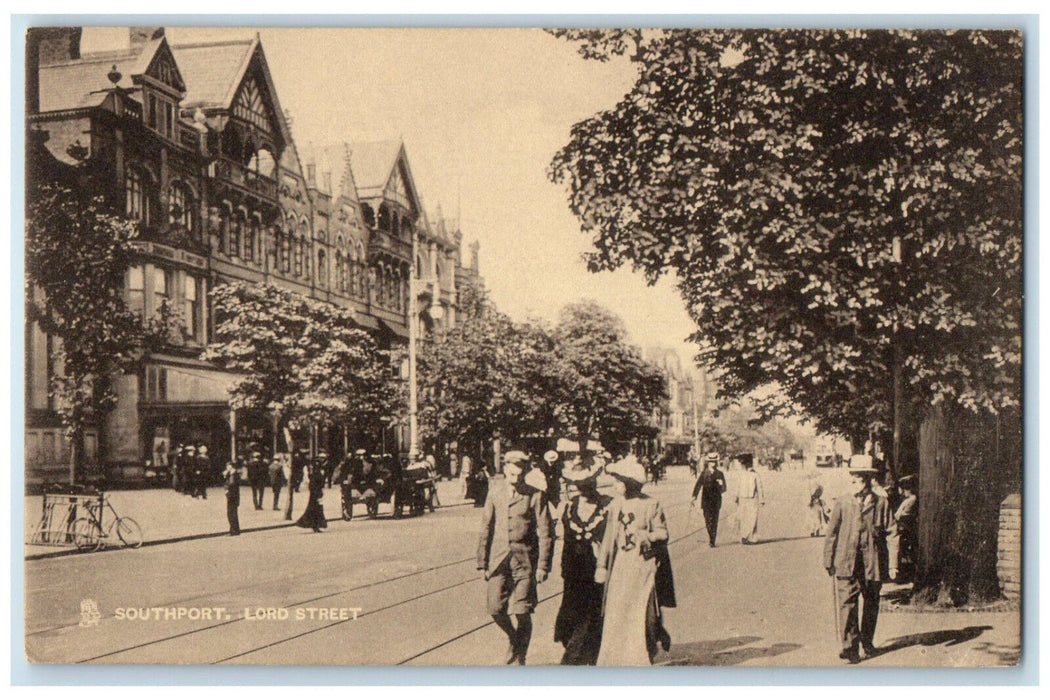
point(286, 252)
point(384, 217)
point(369, 214)
point(322, 269)
point(299, 247)
point(180, 206)
point(395, 224)
point(224, 228)
point(380, 286)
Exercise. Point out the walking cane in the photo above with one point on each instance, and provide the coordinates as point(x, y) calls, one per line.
point(835, 602)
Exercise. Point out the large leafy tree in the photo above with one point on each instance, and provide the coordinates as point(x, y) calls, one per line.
point(605, 389)
point(297, 358)
point(77, 252)
point(842, 209)
point(485, 378)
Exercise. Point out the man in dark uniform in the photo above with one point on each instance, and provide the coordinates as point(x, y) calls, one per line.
point(515, 550)
point(855, 555)
point(231, 479)
point(710, 486)
point(258, 477)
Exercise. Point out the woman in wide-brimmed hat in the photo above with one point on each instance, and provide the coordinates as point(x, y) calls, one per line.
point(579, 623)
point(634, 565)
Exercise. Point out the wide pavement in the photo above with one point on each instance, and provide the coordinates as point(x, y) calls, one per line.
point(418, 599)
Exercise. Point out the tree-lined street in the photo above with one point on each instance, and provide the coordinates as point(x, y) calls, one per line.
point(421, 601)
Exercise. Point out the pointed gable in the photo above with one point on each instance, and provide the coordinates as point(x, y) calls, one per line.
point(157, 65)
point(381, 170)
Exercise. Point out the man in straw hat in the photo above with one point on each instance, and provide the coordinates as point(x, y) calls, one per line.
point(515, 550)
point(855, 556)
point(579, 623)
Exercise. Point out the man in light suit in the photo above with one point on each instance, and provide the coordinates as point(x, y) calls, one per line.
point(515, 550)
point(856, 556)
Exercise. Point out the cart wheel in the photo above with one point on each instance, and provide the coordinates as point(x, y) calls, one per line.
point(128, 532)
point(87, 535)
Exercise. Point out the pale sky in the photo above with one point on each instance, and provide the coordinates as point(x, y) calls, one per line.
point(481, 112)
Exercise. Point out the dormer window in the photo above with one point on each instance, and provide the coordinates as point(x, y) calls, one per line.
point(159, 113)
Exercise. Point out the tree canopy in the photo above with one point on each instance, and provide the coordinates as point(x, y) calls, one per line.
point(826, 199)
point(77, 252)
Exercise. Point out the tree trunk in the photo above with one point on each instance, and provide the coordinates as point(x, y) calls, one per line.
point(967, 462)
point(76, 454)
point(291, 472)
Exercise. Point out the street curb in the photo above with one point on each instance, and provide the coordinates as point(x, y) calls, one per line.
point(186, 538)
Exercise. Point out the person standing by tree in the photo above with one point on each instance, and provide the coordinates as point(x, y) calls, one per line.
point(231, 479)
point(515, 550)
point(749, 497)
point(856, 557)
point(634, 565)
point(710, 486)
point(579, 623)
point(902, 541)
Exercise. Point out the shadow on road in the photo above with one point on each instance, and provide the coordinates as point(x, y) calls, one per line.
point(1005, 654)
point(721, 652)
point(772, 540)
point(930, 639)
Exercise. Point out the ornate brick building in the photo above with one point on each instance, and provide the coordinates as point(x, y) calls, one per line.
point(192, 141)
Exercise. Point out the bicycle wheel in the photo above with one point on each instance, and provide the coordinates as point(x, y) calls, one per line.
point(128, 532)
point(87, 535)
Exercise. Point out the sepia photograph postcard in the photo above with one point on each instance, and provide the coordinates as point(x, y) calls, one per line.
point(533, 346)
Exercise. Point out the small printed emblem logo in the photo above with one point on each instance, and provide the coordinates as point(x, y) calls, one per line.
point(89, 614)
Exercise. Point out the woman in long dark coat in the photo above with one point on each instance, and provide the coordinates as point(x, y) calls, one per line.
point(313, 516)
point(579, 623)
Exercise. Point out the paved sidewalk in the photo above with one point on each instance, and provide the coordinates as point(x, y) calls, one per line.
point(167, 516)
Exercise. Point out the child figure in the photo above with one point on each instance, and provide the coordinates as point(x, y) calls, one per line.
point(818, 517)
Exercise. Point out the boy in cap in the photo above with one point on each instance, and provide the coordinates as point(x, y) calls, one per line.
point(515, 549)
point(855, 556)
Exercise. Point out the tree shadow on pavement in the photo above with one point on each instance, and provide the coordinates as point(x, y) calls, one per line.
point(773, 540)
point(1005, 654)
point(720, 652)
point(929, 639)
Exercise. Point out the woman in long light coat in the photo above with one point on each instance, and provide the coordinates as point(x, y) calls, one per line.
point(749, 497)
point(636, 569)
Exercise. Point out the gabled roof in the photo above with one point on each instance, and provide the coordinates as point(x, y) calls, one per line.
point(82, 83)
point(213, 70)
point(373, 163)
point(335, 159)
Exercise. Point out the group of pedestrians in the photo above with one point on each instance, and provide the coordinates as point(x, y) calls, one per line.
point(190, 470)
point(615, 565)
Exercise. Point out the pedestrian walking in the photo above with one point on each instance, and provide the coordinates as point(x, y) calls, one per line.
point(579, 623)
point(818, 512)
point(903, 537)
point(515, 549)
point(321, 461)
point(178, 469)
point(258, 478)
point(300, 463)
point(313, 517)
point(856, 557)
point(231, 479)
point(634, 564)
point(749, 497)
point(201, 470)
point(277, 477)
point(710, 486)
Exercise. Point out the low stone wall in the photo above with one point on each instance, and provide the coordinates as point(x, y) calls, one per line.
point(1009, 564)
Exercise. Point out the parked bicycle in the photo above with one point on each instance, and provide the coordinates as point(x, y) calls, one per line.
point(101, 524)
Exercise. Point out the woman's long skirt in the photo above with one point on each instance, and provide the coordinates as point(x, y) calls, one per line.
point(748, 520)
point(313, 516)
point(579, 622)
point(629, 598)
